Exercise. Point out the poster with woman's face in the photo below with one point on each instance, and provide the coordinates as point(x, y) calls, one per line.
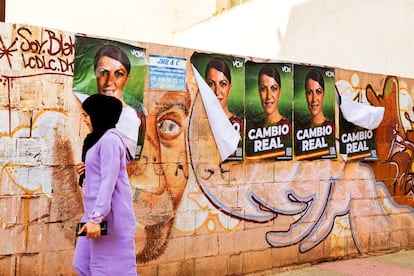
point(314, 112)
point(356, 142)
point(269, 111)
point(115, 69)
point(225, 77)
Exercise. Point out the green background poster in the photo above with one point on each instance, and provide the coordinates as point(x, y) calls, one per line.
point(236, 96)
point(84, 80)
point(356, 143)
point(85, 83)
point(314, 141)
point(277, 145)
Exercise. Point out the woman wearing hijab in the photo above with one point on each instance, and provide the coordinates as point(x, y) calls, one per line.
point(106, 195)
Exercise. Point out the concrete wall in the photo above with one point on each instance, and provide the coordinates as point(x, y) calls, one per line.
point(154, 21)
point(371, 36)
point(195, 214)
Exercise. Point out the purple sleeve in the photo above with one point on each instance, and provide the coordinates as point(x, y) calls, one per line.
point(110, 159)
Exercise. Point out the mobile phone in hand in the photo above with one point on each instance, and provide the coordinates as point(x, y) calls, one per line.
point(103, 224)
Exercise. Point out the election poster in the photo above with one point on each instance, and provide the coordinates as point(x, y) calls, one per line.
point(225, 77)
point(314, 112)
point(269, 93)
point(115, 69)
point(356, 143)
point(357, 116)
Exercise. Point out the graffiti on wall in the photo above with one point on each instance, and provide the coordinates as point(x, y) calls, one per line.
point(305, 210)
point(179, 184)
point(36, 66)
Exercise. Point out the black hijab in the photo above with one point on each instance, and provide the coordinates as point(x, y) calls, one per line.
point(104, 112)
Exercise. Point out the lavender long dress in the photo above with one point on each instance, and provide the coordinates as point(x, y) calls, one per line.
point(107, 192)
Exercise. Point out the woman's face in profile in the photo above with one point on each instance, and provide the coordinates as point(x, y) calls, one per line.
point(111, 77)
point(220, 85)
point(314, 97)
point(269, 92)
point(87, 120)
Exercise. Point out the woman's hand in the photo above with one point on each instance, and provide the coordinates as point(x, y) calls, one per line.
point(80, 168)
point(93, 230)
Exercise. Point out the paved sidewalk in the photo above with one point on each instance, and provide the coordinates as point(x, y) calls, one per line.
point(400, 263)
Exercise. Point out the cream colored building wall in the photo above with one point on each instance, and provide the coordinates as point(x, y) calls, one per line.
point(368, 35)
point(192, 210)
point(152, 21)
point(255, 29)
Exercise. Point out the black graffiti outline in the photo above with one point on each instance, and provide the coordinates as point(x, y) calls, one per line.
point(7, 51)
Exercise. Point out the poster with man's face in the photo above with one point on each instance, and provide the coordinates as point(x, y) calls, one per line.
point(115, 69)
point(225, 77)
point(314, 112)
point(269, 111)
